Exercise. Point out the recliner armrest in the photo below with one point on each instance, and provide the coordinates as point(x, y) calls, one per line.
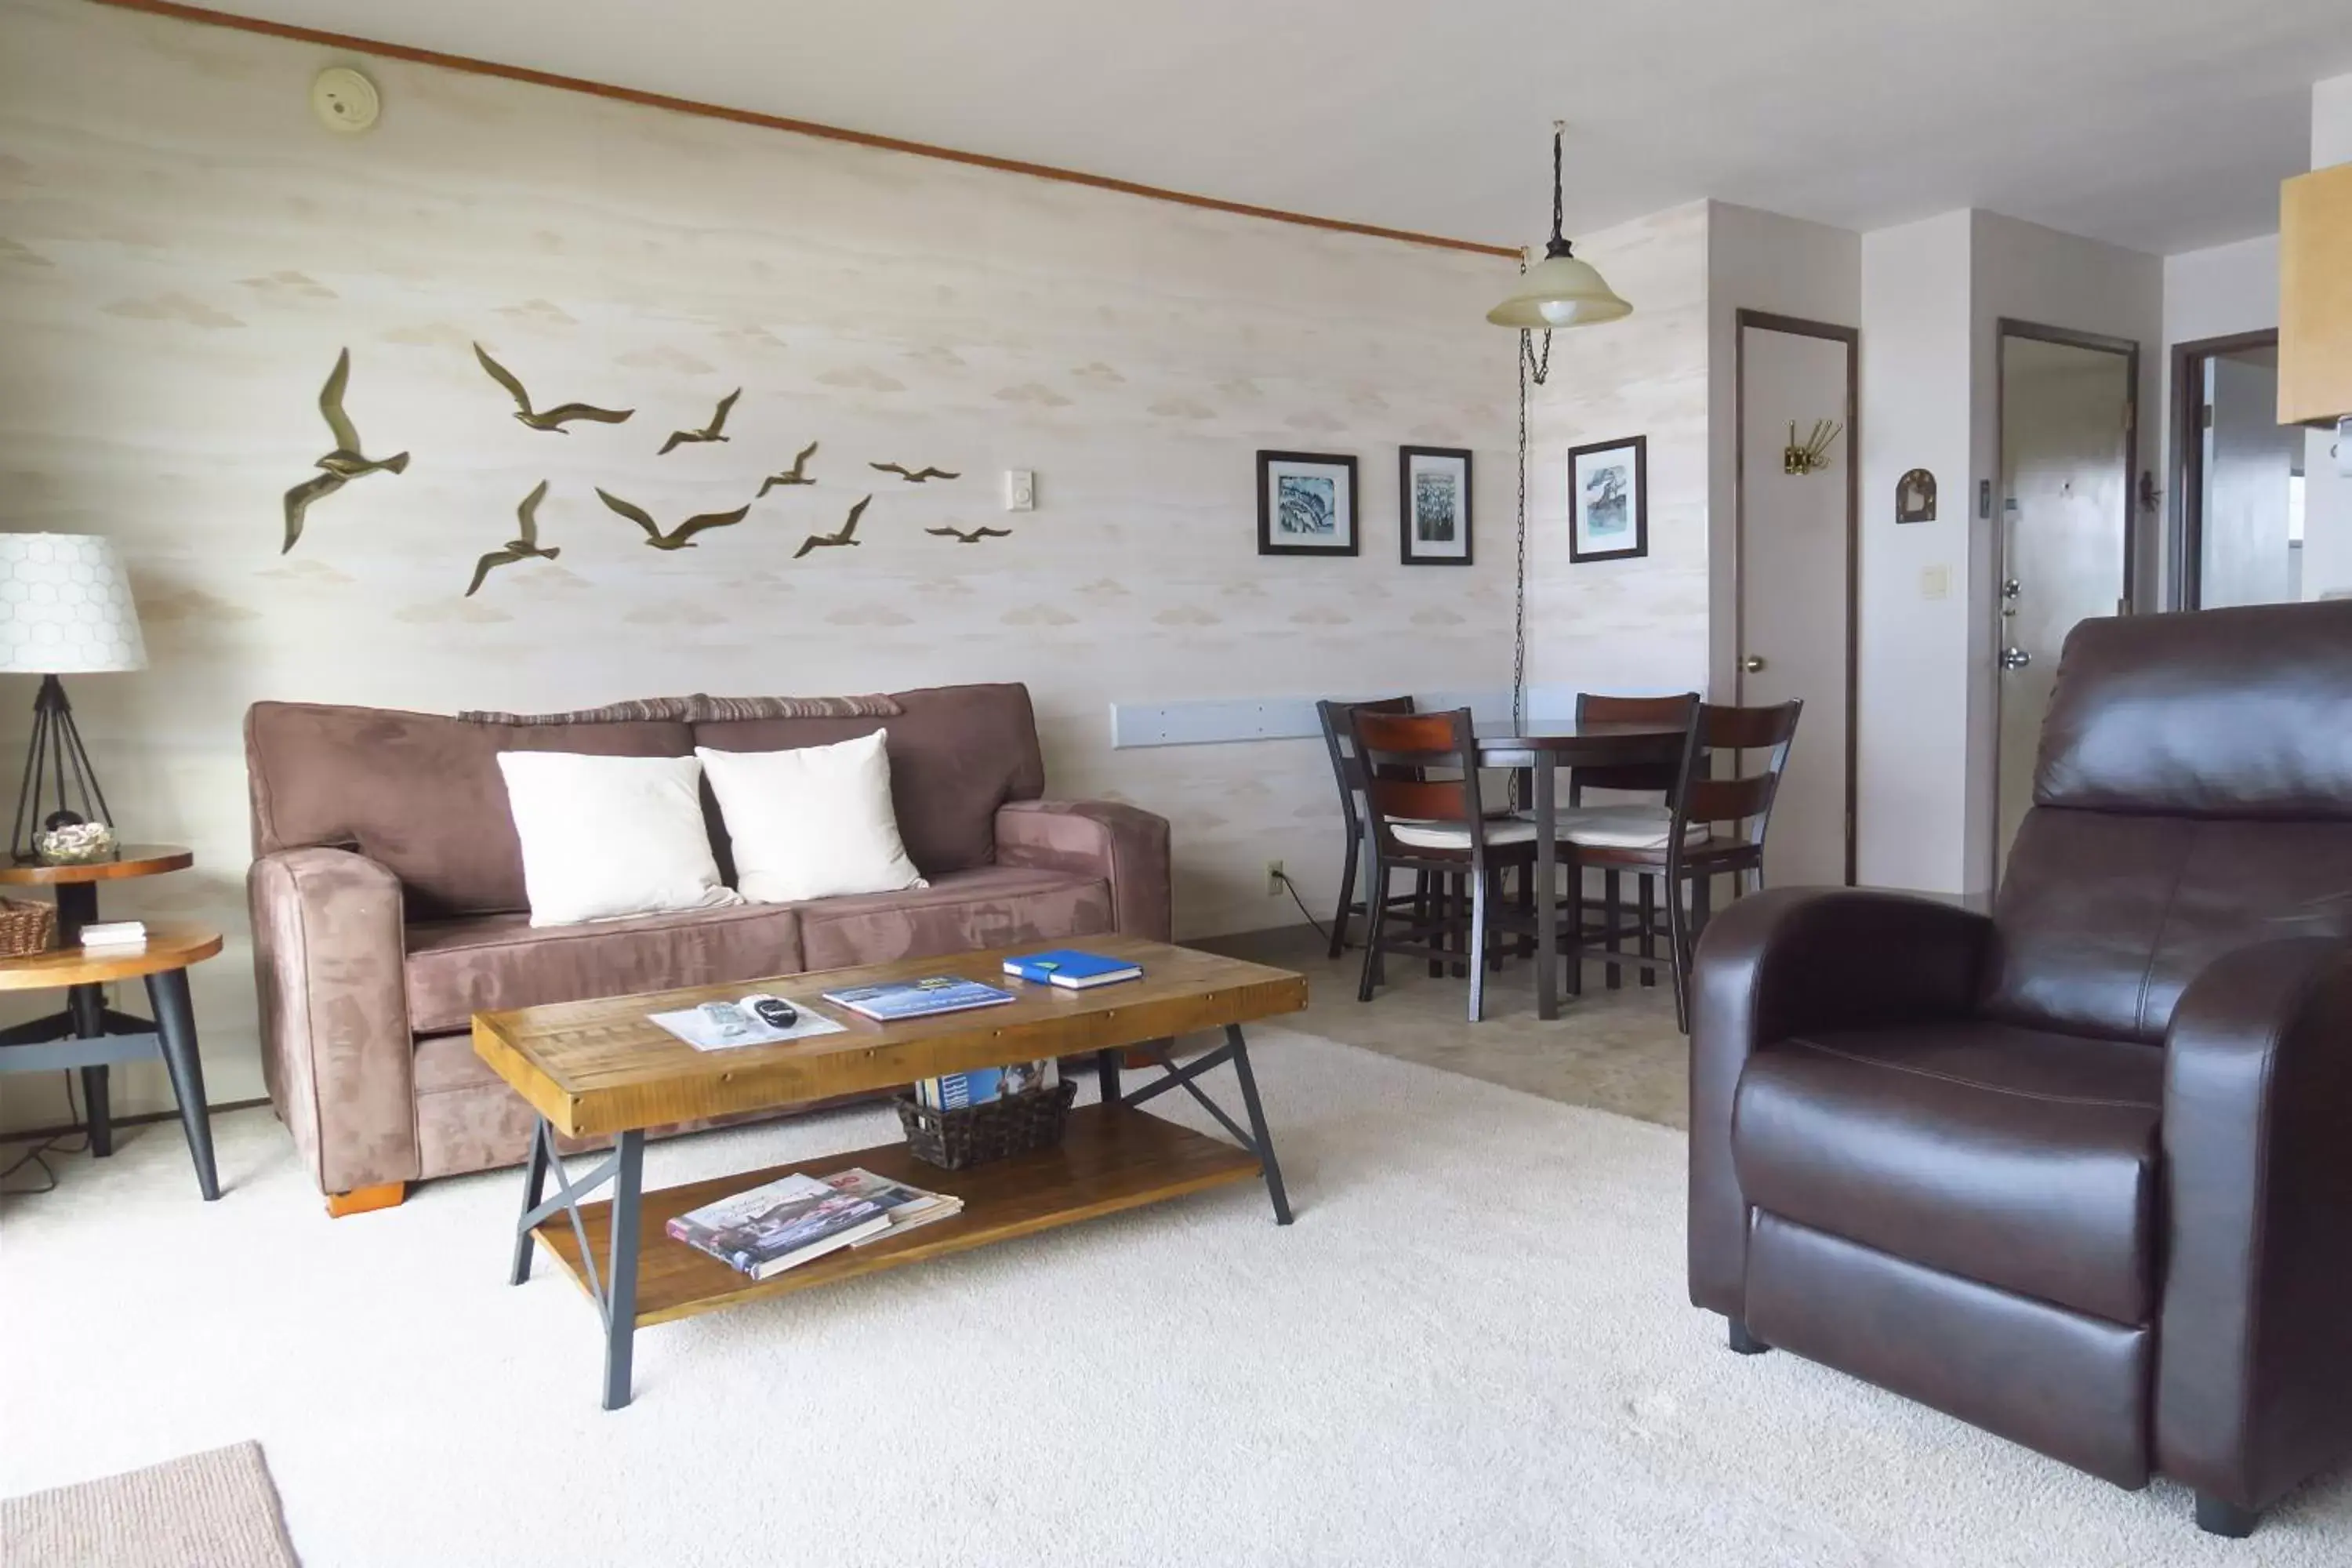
point(2256, 1369)
point(330, 960)
point(1125, 845)
point(1791, 959)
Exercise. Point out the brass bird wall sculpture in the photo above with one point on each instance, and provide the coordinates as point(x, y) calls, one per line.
point(914, 475)
point(795, 474)
point(523, 549)
point(709, 432)
point(679, 538)
point(843, 535)
point(343, 464)
point(974, 537)
point(552, 419)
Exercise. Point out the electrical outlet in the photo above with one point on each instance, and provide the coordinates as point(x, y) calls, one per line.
point(1274, 878)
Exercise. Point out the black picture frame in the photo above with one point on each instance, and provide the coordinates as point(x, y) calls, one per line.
point(1636, 524)
point(1275, 535)
point(1412, 550)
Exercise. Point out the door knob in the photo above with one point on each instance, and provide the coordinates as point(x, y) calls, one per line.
point(2015, 658)
point(1751, 664)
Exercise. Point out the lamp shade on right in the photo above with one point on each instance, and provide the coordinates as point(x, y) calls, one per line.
point(65, 606)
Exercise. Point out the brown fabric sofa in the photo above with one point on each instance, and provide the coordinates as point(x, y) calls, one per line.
point(388, 903)
point(2076, 1172)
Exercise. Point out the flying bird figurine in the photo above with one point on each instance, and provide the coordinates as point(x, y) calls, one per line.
point(974, 537)
point(343, 464)
point(523, 549)
point(709, 432)
point(679, 538)
point(843, 535)
point(914, 475)
point(795, 474)
point(554, 418)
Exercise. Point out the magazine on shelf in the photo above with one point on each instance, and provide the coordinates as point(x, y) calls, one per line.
point(1071, 969)
point(957, 1090)
point(919, 998)
point(906, 1207)
point(781, 1225)
point(704, 1032)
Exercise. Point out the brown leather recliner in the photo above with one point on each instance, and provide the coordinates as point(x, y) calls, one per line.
point(2079, 1172)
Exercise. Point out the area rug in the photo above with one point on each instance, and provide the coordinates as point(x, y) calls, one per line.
point(1473, 1347)
point(216, 1509)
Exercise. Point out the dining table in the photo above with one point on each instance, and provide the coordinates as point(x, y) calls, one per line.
point(1541, 747)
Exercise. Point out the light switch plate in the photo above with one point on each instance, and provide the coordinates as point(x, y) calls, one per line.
point(1020, 490)
point(1934, 582)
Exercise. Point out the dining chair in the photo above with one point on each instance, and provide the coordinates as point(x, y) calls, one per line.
point(1708, 828)
point(1341, 741)
point(1424, 815)
point(1632, 778)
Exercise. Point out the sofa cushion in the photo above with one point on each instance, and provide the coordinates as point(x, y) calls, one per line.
point(418, 792)
point(491, 962)
point(957, 752)
point(2016, 1158)
point(994, 906)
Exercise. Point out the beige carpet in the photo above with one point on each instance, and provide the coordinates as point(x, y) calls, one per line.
point(1473, 1349)
point(216, 1510)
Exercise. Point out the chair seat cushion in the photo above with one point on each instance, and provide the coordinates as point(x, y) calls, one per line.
point(1457, 835)
point(1625, 828)
point(2017, 1158)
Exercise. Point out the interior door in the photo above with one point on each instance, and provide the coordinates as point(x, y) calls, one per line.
point(1796, 565)
point(2248, 551)
point(2066, 413)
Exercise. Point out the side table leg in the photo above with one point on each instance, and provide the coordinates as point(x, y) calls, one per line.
point(175, 1028)
point(534, 1189)
point(1258, 1134)
point(86, 1007)
point(621, 1270)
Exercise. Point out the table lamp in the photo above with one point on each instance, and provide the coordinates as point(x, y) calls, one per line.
point(65, 609)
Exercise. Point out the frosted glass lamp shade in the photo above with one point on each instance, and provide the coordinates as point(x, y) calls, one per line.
point(65, 606)
point(1560, 291)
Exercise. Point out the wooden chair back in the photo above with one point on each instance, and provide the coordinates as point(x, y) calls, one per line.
point(1418, 768)
point(1648, 778)
point(1743, 799)
point(1341, 741)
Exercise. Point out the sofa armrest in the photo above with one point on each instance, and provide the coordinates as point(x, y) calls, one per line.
point(329, 963)
point(1123, 844)
point(2254, 1376)
point(1794, 959)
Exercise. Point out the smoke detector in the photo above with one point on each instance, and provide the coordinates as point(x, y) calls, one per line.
point(344, 101)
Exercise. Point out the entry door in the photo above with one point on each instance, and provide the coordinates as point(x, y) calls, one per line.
point(2066, 413)
point(1796, 565)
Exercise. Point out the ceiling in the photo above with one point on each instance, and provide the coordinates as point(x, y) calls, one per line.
point(2160, 124)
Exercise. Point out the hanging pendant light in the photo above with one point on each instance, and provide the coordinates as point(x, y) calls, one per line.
point(1560, 291)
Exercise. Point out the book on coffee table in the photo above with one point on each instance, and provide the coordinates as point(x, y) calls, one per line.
point(1071, 969)
point(906, 1207)
point(780, 1225)
point(918, 998)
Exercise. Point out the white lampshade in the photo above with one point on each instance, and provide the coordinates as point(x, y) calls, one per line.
point(65, 606)
point(1560, 291)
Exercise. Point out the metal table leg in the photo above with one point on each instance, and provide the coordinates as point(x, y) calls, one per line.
point(1257, 1139)
point(614, 1288)
point(1547, 889)
point(175, 1032)
point(621, 1266)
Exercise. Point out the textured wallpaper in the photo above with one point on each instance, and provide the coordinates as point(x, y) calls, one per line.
point(184, 254)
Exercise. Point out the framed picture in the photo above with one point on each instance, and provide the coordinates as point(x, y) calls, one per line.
point(1434, 506)
point(1608, 494)
point(1306, 504)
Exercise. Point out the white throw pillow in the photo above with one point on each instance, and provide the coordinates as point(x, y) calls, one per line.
point(811, 823)
point(608, 836)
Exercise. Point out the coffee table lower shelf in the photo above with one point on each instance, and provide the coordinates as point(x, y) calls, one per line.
point(1110, 1158)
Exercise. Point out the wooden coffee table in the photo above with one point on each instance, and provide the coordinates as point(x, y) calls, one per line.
point(593, 1068)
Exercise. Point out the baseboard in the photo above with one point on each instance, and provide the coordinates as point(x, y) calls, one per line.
point(140, 1118)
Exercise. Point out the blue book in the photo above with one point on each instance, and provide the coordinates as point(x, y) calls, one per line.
point(1071, 969)
point(918, 998)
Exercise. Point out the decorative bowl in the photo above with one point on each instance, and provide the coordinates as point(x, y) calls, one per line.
point(75, 844)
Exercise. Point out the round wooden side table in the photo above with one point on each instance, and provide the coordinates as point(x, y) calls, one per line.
point(89, 1034)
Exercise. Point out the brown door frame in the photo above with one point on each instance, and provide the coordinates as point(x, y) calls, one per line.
point(2004, 329)
point(2186, 521)
point(1797, 326)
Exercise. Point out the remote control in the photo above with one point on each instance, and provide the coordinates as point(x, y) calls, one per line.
point(727, 1018)
point(773, 1011)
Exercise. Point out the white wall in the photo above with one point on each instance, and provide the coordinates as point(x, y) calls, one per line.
point(1759, 261)
point(188, 250)
point(1637, 625)
point(1912, 693)
point(2327, 494)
